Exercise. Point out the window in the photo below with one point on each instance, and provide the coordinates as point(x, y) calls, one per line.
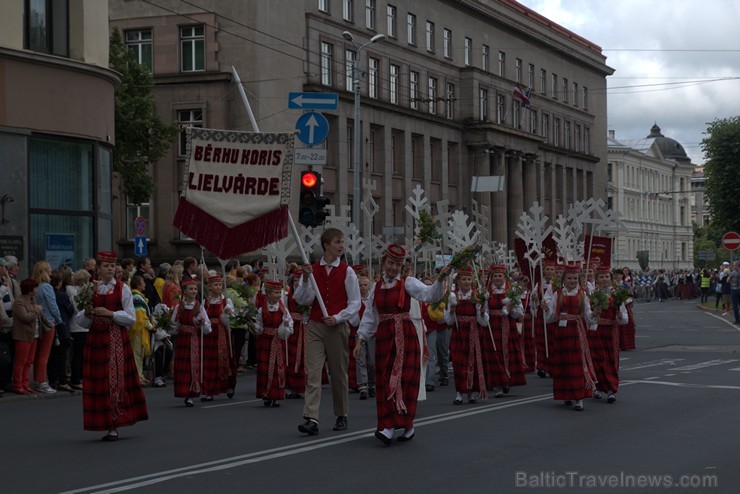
point(575, 93)
point(468, 51)
point(370, 14)
point(185, 119)
point(450, 101)
point(193, 48)
point(411, 29)
point(349, 60)
point(324, 6)
point(447, 43)
point(435, 158)
point(326, 63)
point(432, 96)
point(533, 121)
point(556, 132)
point(517, 123)
point(414, 90)
point(46, 26)
point(502, 64)
point(578, 139)
point(139, 44)
point(391, 21)
point(585, 98)
point(483, 105)
point(453, 163)
point(133, 211)
point(373, 65)
point(609, 172)
point(397, 154)
point(567, 141)
point(484, 64)
point(348, 13)
point(370, 154)
point(430, 36)
point(500, 108)
point(543, 81)
point(565, 90)
point(530, 78)
point(545, 127)
point(554, 85)
point(394, 75)
point(518, 70)
point(587, 140)
point(417, 156)
point(349, 140)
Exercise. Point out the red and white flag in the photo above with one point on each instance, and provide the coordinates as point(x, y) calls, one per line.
point(522, 96)
point(236, 190)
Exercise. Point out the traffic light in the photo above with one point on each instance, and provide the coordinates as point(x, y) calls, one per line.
point(311, 202)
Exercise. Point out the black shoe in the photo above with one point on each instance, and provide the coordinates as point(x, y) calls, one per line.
point(110, 438)
point(207, 398)
point(188, 402)
point(472, 401)
point(371, 392)
point(403, 439)
point(341, 424)
point(578, 408)
point(457, 401)
point(363, 395)
point(444, 381)
point(611, 398)
point(506, 390)
point(568, 403)
point(541, 373)
point(310, 427)
point(230, 394)
point(429, 388)
point(385, 440)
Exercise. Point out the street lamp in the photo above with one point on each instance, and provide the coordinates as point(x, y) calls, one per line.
point(357, 131)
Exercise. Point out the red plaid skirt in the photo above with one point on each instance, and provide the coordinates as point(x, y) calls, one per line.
point(607, 363)
point(216, 365)
point(627, 333)
point(187, 362)
point(495, 365)
point(110, 400)
point(460, 356)
point(271, 365)
point(539, 339)
point(295, 371)
point(529, 349)
point(566, 364)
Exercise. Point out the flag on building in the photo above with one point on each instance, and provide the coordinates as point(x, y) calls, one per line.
point(522, 96)
point(236, 190)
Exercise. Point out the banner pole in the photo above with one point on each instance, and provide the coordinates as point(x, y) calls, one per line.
point(311, 279)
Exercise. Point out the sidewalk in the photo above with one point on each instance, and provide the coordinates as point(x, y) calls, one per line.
point(709, 306)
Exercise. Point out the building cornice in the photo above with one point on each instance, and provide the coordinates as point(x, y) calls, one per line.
point(61, 63)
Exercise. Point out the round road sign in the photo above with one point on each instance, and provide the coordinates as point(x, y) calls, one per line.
point(731, 241)
point(139, 225)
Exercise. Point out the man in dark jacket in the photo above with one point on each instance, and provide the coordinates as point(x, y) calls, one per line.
point(145, 270)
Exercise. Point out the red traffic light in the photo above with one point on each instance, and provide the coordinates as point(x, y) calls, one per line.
point(309, 179)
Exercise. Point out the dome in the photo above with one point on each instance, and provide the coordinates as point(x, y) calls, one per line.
point(669, 148)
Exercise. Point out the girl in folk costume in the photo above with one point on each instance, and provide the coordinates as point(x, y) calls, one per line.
point(353, 325)
point(274, 326)
point(295, 372)
point(217, 351)
point(112, 396)
point(365, 361)
point(604, 342)
point(570, 358)
point(469, 318)
point(397, 352)
point(544, 289)
point(191, 323)
point(531, 313)
point(506, 368)
point(626, 331)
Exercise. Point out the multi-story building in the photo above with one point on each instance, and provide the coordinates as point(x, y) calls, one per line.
point(437, 98)
point(56, 130)
point(649, 182)
point(699, 201)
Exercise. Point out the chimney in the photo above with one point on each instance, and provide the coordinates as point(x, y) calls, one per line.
point(611, 134)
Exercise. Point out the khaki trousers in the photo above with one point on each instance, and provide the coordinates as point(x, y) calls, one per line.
point(326, 343)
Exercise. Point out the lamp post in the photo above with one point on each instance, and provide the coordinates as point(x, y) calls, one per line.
point(357, 130)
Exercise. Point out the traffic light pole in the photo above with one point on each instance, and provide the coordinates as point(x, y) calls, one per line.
point(311, 279)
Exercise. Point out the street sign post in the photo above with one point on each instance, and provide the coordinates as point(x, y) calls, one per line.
point(312, 127)
point(309, 156)
point(731, 240)
point(313, 101)
point(140, 246)
point(139, 225)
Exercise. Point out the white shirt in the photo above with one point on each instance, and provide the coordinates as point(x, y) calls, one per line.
point(287, 320)
point(514, 311)
point(201, 317)
point(305, 294)
point(450, 318)
point(415, 288)
point(125, 317)
point(550, 308)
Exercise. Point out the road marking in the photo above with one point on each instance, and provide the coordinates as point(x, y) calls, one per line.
point(289, 450)
point(653, 363)
point(735, 369)
point(652, 378)
point(702, 365)
point(668, 375)
point(231, 403)
point(656, 329)
point(682, 385)
point(732, 325)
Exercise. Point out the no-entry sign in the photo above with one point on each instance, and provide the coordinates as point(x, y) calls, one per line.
point(731, 240)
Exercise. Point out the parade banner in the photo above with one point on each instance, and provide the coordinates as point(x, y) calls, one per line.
point(601, 248)
point(236, 190)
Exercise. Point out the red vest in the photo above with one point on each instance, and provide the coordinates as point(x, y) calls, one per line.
point(270, 319)
point(113, 301)
point(331, 287)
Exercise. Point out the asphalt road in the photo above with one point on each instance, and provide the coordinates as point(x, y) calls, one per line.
point(674, 428)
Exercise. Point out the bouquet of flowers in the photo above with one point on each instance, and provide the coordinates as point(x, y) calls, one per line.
point(246, 292)
point(84, 298)
point(621, 295)
point(162, 317)
point(599, 300)
point(514, 293)
point(465, 256)
point(245, 317)
point(428, 232)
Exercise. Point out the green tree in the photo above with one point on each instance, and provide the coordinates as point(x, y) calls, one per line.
point(722, 171)
point(142, 137)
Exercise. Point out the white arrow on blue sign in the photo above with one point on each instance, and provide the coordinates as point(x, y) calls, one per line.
point(312, 127)
point(139, 246)
point(313, 101)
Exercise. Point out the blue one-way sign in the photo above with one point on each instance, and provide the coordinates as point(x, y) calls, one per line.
point(139, 246)
point(313, 101)
point(312, 127)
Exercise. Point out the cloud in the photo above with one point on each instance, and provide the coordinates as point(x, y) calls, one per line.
point(677, 85)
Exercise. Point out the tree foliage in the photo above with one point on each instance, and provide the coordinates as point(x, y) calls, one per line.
point(722, 171)
point(142, 137)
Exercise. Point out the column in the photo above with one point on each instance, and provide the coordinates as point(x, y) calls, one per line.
point(498, 207)
point(530, 182)
point(515, 196)
point(553, 196)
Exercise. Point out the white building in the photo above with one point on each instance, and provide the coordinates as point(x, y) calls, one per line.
point(649, 182)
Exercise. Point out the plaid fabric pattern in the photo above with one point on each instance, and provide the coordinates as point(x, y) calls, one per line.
point(496, 375)
point(103, 407)
point(265, 357)
point(295, 372)
point(216, 365)
point(529, 349)
point(606, 358)
point(566, 358)
point(187, 371)
point(627, 332)
point(460, 349)
point(386, 300)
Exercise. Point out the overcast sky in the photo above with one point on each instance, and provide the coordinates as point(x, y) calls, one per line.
point(692, 43)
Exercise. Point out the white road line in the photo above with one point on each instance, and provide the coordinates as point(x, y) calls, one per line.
point(231, 403)
point(702, 365)
point(733, 326)
point(735, 369)
point(668, 375)
point(683, 385)
point(652, 378)
point(652, 363)
point(289, 450)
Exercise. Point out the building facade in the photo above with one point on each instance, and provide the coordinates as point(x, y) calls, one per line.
point(56, 131)
point(650, 183)
point(699, 200)
point(437, 99)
